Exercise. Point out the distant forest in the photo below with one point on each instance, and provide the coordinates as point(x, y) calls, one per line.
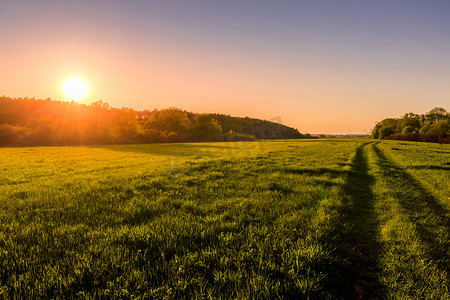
point(34, 122)
point(433, 126)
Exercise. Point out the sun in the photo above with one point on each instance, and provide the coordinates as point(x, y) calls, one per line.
point(75, 88)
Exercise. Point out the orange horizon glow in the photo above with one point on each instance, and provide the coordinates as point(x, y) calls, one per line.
point(320, 70)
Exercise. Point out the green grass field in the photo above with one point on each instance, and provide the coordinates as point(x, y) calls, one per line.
point(316, 219)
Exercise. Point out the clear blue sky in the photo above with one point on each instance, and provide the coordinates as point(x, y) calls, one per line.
point(322, 66)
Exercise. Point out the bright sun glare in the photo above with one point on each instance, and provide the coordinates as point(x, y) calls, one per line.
point(75, 88)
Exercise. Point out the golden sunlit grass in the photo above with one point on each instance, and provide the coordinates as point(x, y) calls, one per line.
point(266, 220)
point(75, 88)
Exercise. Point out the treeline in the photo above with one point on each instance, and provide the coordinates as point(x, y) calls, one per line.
point(34, 122)
point(433, 126)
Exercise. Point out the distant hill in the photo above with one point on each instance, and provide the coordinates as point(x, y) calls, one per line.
point(38, 122)
point(256, 128)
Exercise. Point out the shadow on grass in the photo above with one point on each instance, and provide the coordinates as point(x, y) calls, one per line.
point(429, 167)
point(171, 149)
point(355, 237)
point(423, 210)
point(333, 173)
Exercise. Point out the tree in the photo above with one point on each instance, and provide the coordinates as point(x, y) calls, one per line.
point(172, 123)
point(408, 120)
point(433, 126)
point(436, 114)
point(206, 129)
point(408, 130)
point(128, 127)
point(11, 135)
point(440, 128)
point(384, 128)
point(29, 121)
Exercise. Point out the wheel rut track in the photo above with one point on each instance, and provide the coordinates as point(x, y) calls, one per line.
point(429, 217)
point(364, 229)
point(355, 234)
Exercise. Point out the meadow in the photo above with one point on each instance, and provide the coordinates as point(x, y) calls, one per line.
point(312, 219)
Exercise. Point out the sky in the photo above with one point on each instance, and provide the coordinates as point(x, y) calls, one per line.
point(335, 66)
